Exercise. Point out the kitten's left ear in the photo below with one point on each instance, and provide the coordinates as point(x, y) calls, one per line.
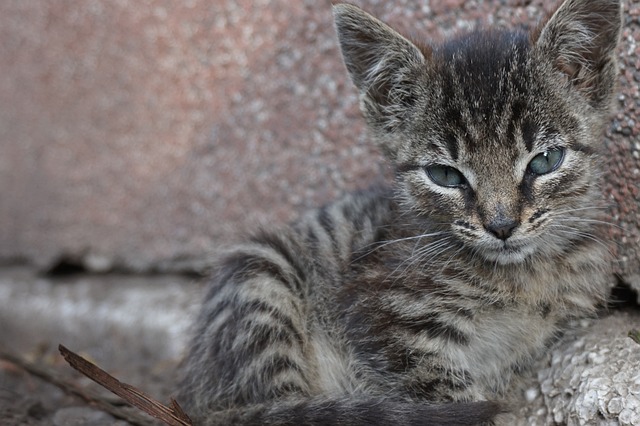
point(580, 38)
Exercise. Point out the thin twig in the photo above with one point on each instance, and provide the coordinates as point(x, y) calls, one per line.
point(87, 395)
point(172, 416)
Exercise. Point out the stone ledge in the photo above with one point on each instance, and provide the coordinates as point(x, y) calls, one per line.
point(137, 328)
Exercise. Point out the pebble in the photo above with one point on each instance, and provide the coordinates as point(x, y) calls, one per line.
point(531, 394)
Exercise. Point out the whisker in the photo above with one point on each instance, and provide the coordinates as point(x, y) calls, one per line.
point(377, 245)
point(579, 233)
point(579, 209)
point(574, 219)
point(430, 249)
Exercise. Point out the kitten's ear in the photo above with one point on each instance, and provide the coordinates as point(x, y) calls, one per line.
point(382, 64)
point(580, 38)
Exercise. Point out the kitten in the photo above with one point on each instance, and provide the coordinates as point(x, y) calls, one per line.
point(422, 304)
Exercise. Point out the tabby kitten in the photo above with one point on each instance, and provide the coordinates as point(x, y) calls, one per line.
point(421, 304)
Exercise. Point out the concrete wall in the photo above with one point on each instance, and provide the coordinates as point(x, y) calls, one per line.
point(145, 134)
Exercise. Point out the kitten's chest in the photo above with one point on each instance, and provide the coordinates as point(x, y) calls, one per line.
point(504, 333)
point(499, 345)
point(483, 344)
point(504, 343)
point(478, 327)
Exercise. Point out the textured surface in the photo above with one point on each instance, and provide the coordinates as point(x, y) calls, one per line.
point(623, 153)
point(595, 378)
point(145, 134)
point(140, 133)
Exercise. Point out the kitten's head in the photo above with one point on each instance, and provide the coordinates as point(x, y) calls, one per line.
point(494, 134)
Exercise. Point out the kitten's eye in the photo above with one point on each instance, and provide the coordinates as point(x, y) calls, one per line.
point(546, 162)
point(445, 176)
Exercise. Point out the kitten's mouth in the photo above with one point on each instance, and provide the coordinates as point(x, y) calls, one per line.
point(509, 253)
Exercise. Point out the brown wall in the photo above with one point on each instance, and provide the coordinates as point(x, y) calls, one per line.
point(144, 134)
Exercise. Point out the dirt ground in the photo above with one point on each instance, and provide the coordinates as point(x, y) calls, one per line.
point(132, 326)
point(136, 328)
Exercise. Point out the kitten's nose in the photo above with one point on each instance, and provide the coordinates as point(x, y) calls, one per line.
point(502, 228)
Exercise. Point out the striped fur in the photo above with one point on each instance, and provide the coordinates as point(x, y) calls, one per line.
point(424, 303)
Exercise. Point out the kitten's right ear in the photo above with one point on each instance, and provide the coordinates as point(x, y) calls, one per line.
point(580, 39)
point(382, 64)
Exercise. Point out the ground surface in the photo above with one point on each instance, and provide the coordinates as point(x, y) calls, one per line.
point(136, 328)
point(133, 327)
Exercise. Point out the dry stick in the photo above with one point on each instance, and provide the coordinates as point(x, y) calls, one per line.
point(173, 416)
point(87, 395)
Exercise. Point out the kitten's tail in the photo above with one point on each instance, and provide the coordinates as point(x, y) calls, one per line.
point(355, 412)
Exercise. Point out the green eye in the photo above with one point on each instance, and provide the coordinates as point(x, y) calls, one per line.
point(445, 176)
point(546, 162)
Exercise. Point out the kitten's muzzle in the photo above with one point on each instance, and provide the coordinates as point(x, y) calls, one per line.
point(500, 219)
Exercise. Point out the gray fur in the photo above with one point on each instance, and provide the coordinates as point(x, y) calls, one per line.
point(424, 304)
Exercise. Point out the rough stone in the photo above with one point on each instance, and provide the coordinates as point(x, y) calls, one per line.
point(594, 377)
point(145, 135)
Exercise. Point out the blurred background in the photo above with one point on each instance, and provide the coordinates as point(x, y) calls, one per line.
point(140, 136)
